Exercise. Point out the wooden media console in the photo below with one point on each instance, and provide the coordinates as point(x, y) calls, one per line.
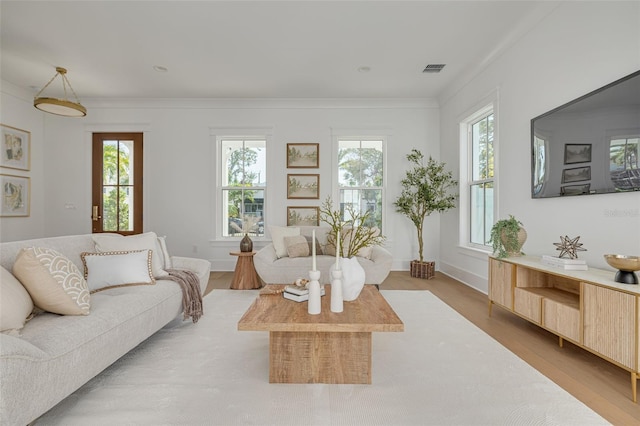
point(587, 308)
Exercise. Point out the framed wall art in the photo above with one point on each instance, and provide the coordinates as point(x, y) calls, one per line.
point(303, 156)
point(304, 187)
point(16, 193)
point(16, 148)
point(303, 216)
point(576, 174)
point(575, 189)
point(577, 153)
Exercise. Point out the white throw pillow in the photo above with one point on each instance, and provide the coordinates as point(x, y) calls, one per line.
point(54, 282)
point(277, 237)
point(117, 269)
point(147, 241)
point(15, 304)
point(162, 242)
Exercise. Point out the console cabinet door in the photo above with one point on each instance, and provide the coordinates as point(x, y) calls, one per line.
point(501, 279)
point(609, 323)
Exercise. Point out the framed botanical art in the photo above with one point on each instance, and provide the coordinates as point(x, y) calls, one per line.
point(303, 156)
point(303, 216)
point(304, 187)
point(576, 174)
point(16, 148)
point(16, 193)
point(577, 153)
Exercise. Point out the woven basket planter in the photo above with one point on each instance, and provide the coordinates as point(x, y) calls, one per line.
point(424, 270)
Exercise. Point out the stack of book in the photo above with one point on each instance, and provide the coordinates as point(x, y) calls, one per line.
point(567, 264)
point(298, 294)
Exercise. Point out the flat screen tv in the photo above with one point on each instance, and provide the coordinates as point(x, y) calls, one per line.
point(589, 145)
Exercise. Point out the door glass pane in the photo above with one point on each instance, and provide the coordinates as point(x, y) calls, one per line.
point(125, 162)
point(109, 162)
point(109, 208)
point(125, 201)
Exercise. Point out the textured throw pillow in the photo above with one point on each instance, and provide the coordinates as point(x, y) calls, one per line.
point(53, 281)
point(15, 304)
point(297, 246)
point(277, 237)
point(117, 269)
point(318, 245)
point(147, 241)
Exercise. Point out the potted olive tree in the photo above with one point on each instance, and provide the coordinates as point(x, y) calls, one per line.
point(425, 189)
point(508, 237)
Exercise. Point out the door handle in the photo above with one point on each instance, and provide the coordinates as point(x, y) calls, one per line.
point(95, 216)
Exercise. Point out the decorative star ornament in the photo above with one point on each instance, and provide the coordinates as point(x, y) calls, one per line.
point(569, 247)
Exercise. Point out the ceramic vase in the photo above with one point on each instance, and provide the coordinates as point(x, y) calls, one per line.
point(246, 245)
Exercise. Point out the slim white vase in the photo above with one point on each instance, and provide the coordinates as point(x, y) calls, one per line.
point(314, 293)
point(337, 304)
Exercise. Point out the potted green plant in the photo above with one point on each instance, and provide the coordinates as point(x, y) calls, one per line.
point(425, 189)
point(508, 237)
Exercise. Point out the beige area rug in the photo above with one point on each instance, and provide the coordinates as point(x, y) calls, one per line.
point(441, 370)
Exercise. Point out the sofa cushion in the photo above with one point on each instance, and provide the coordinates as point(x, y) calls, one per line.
point(53, 281)
point(15, 304)
point(278, 233)
point(297, 246)
point(146, 241)
point(117, 269)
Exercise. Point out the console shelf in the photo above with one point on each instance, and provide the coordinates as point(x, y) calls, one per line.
point(587, 308)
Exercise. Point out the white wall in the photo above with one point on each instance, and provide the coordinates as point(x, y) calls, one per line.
point(577, 48)
point(179, 167)
point(16, 110)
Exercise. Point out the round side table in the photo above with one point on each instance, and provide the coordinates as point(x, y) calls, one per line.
point(245, 276)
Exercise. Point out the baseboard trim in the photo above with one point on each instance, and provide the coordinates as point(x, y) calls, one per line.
point(468, 278)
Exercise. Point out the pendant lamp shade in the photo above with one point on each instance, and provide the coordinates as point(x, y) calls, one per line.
point(63, 107)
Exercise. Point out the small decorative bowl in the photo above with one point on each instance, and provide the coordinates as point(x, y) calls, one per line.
point(626, 266)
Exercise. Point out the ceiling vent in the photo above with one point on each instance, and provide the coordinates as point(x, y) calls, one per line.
point(433, 68)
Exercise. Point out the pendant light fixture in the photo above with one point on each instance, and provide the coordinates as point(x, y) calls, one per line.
point(64, 106)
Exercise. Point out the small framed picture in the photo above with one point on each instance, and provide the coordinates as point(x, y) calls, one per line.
point(304, 187)
point(577, 153)
point(16, 148)
point(303, 216)
point(576, 174)
point(575, 189)
point(16, 193)
point(302, 156)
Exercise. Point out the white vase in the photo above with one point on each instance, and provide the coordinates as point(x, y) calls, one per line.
point(353, 277)
point(314, 306)
point(336, 291)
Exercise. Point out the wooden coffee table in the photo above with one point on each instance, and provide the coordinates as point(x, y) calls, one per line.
point(325, 348)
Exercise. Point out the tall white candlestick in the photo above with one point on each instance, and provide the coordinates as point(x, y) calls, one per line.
point(313, 250)
point(338, 252)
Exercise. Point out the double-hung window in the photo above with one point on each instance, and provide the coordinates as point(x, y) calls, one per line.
point(478, 141)
point(243, 185)
point(360, 177)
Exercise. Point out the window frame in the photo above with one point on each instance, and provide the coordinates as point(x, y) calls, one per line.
point(488, 106)
point(219, 135)
point(382, 135)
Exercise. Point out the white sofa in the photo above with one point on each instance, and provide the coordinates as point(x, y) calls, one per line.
point(283, 270)
point(56, 354)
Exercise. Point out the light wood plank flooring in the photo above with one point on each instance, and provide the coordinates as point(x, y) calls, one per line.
point(598, 384)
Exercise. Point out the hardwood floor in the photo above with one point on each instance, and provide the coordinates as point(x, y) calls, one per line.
point(603, 387)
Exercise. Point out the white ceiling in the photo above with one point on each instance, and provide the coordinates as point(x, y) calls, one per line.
point(255, 49)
